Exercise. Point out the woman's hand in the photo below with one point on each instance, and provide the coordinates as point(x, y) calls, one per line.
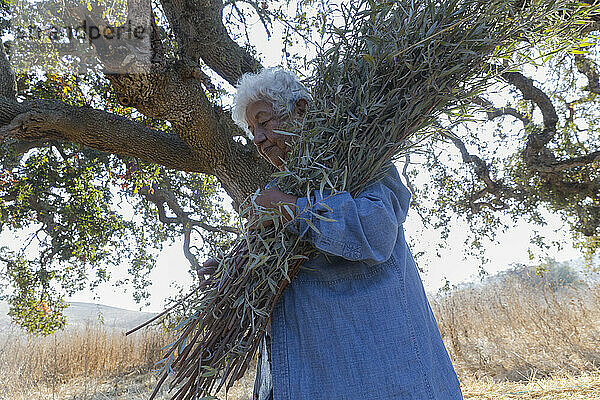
point(208, 267)
point(272, 198)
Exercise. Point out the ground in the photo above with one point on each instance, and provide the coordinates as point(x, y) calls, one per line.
point(139, 387)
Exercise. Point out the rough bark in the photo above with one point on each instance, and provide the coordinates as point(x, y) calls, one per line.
point(588, 68)
point(201, 34)
point(537, 156)
point(8, 85)
point(175, 91)
point(43, 120)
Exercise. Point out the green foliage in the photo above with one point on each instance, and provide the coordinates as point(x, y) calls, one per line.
point(80, 214)
point(573, 194)
point(32, 306)
point(550, 274)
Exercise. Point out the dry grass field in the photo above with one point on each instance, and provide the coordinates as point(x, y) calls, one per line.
point(90, 363)
point(507, 341)
point(508, 330)
point(76, 355)
point(136, 386)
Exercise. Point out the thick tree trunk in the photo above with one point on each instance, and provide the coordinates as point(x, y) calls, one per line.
point(243, 174)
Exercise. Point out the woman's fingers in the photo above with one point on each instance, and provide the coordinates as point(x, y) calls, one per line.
point(271, 198)
point(266, 197)
point(208, 268)
point(211, 262)
point(255, 223)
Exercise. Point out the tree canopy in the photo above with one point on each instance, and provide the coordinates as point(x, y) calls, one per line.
point(108, 166)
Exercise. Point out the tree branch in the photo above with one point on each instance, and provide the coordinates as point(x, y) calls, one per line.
point(480, 167)
point(541, 99)
point(588, 68)
point(536, 155)
point(495, 112)
point(405, 175)
point(187, 236)
point(200, 33)
point(161, 197)
point(99, 130)
point(482, 171)
point(8, 84)
point(571, 162)
point(174, 90)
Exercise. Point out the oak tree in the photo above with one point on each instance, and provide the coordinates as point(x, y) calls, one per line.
point(106, 167)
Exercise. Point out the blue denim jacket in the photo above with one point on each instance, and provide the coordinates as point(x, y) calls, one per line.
point(355, 323)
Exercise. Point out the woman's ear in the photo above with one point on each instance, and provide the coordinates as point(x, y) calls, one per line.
point(300, 108)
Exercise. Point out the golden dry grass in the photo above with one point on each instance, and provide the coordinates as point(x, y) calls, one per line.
point(139, 386)
point(90, 363)
point(506, 342)
point(28, 363)
point(565, 387)
point(131, 386)
point(508, 330)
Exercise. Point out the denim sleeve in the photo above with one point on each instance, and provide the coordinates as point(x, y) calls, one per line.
point(363, 228)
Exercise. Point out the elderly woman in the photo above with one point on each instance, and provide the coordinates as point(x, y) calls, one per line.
point(355, 323)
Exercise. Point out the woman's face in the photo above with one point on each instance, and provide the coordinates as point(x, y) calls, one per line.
point(262, 122)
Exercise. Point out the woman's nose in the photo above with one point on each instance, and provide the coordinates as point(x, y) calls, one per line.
point(259, 135)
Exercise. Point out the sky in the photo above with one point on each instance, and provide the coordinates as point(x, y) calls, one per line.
point(172, 271)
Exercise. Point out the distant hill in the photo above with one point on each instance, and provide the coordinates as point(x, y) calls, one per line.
point(89, 313)
point(81, 314)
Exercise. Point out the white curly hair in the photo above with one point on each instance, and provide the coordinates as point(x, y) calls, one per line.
point(276, 85)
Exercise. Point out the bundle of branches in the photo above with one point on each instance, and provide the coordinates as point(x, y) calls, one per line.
point(379, 84)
